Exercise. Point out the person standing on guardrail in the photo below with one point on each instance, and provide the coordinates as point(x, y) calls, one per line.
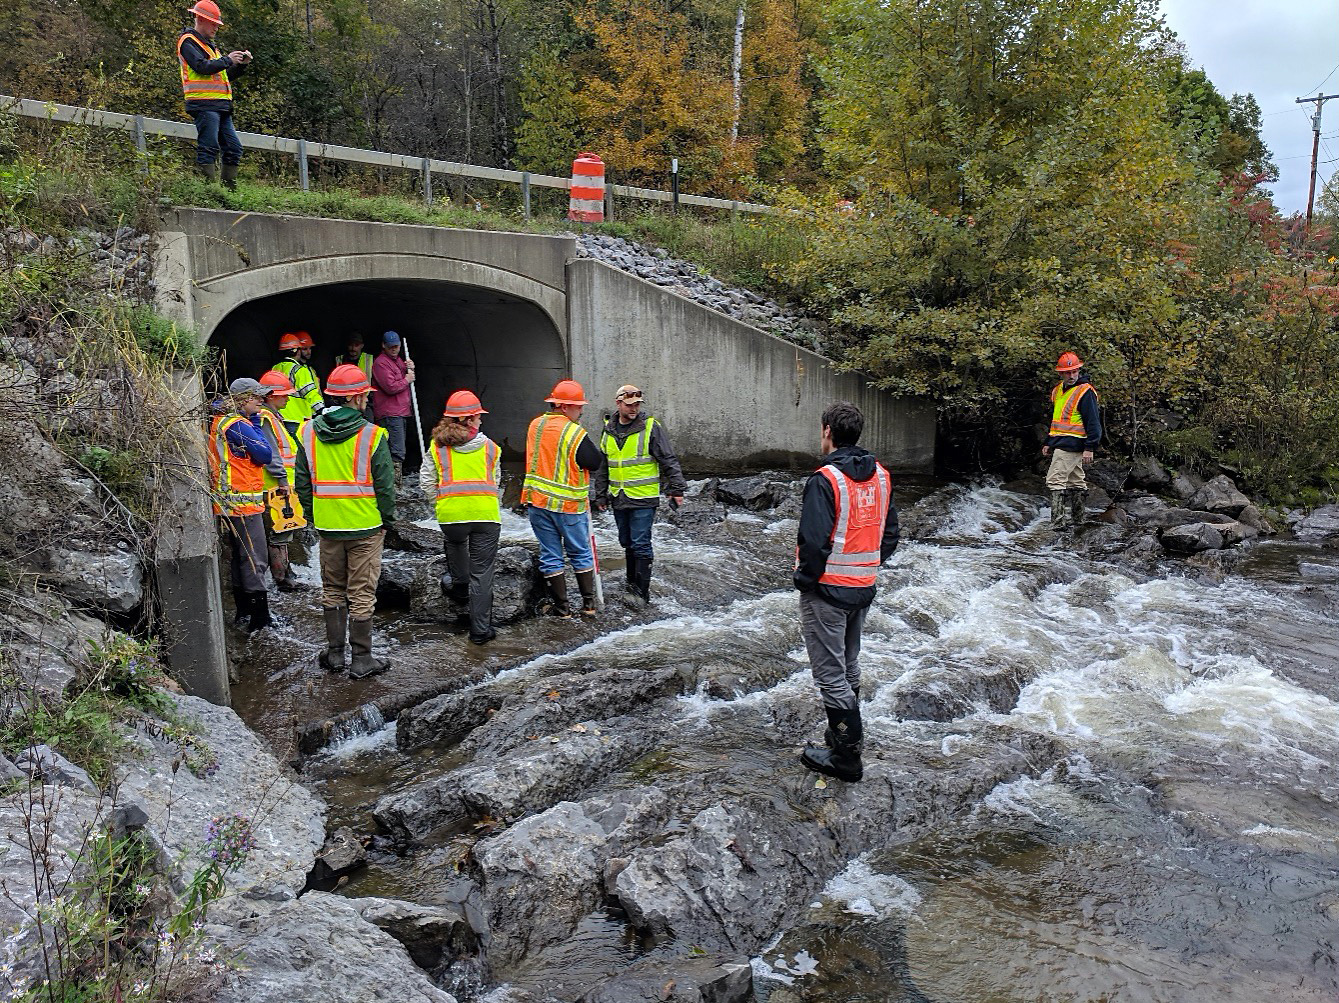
point(208, 92)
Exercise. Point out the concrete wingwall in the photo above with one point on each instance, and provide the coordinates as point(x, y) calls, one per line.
point(731, 396)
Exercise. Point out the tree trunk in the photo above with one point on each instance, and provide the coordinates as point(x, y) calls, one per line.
point(736, 70)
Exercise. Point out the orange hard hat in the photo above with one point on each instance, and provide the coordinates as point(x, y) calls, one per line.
point(347, 381)
point(306, 339)
point(289, 341)
point(567, 392)
point(281, 385)
point(208, 10)
point(463, 404)
point(1068, 363)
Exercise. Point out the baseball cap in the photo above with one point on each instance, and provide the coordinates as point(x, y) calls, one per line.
point(390, 338)
point(246, 385)
point(628, 392)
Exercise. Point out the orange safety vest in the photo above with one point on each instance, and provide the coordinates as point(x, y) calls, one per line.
point(344, 495)
point(198, 87)
point(553, 480)
point(857, 530)
point(1065, 417)
point(238, 481)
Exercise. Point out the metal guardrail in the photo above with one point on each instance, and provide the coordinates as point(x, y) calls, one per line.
point(303, 151)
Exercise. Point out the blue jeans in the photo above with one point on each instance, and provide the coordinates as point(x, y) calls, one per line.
point(394, 426)
point(634, 530)
point(211, 129)
point(558, 532)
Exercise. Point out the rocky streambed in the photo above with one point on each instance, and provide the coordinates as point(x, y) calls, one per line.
point(1076, 744)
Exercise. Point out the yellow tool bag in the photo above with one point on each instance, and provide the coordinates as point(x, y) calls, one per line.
point(285, 510)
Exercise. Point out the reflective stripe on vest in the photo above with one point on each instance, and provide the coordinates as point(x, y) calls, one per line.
point(200, 87)
point(632, 471)
point(344, 497)
point(288, 449)
point(553, 480)
point(467, 484)
point(1065, 417)
point(298, 407)
point(857, 531)
point(238, 481)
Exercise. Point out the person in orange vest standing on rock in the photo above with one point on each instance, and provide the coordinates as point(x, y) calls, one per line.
point(346, 482)
point(238, 455)
point(848, 528)
point(463, 471)
point(208, 92)
point(1076, 430)
point(558, 459)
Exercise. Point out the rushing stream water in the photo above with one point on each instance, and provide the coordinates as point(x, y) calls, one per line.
point(1180, 845)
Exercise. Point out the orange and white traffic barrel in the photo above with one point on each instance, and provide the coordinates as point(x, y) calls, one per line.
point(587, 202)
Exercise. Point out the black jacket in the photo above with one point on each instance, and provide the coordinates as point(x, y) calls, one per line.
point(817, 516)
point(192, 50)
point(1092, 427)
point(671, 475)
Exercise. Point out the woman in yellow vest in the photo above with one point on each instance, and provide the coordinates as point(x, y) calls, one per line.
point(208, 92)
point(463, 473)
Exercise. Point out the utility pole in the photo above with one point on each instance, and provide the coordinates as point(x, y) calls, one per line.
point(1320, 100)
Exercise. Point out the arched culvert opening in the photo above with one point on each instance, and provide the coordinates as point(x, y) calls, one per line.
point(503, 347)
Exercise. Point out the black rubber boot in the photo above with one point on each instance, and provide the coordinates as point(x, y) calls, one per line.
point(1060, 515)
point(842, 761)
point(557, 586)
point(630, 560)
point(483, 638)
point(586, 585)
point(828, 738)
point(230, 177)
point(363, 663)
point(241, 607)
point(642, 584)
point(260, 612)
point(210, 172)
point(336, 628)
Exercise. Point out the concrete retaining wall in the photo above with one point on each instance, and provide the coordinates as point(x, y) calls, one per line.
point(731, 396)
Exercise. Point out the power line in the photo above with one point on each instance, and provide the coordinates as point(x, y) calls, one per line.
point(1326, 80)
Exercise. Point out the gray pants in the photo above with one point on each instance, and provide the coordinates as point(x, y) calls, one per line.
point(248, 557)
point(471, 551)
point(832, 637)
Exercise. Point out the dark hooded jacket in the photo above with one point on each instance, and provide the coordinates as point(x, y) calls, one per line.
point(671, 474)
point(817, 518)
point(335, 424)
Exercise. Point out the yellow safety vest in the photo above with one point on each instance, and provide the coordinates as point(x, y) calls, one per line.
point(467, 484)
point(632, 471)
point(298, 408)
point(200, 87)
point(553, 480)
point(1065, 417)
point(344, 497)
point(288, 449)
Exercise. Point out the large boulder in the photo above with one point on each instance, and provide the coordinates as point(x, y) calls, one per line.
point(705, 977)
point(1109, 475)
point(228, 770)
point(312, 950)
point(1321, 526)
point(1149, 473)
point(65, 527)
point(47, 642)
point(754, 493)
point(1219, 495)
point(47, 833)
point(1185, 483)
point(435, 936)
point(1191, 538)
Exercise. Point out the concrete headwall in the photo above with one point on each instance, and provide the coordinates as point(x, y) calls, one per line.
point(730, 395)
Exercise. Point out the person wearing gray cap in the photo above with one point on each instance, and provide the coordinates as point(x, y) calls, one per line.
point(238, 453)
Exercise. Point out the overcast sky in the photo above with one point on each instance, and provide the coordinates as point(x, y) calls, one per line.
point(1277, 50)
